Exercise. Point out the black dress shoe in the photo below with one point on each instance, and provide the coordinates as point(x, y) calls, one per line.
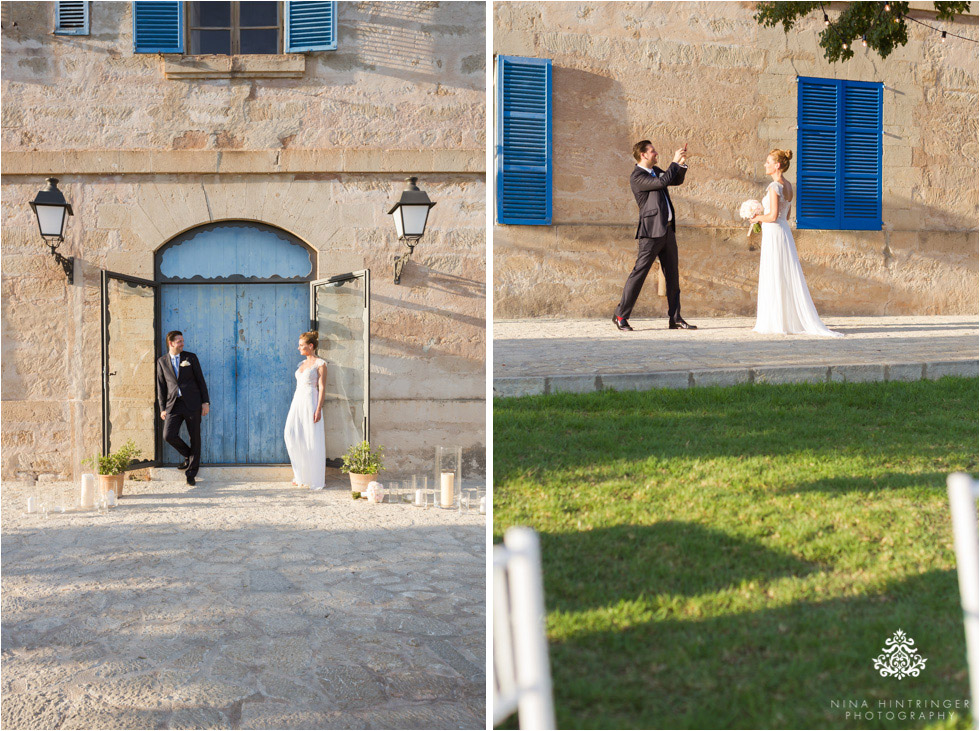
point(679, 324)
point(190, 481)
point(620, 323)
point(185, 464)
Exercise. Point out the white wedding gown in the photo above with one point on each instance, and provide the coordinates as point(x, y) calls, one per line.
point(784, 304)
point(304, 438)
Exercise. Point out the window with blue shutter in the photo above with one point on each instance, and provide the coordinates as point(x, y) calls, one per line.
point(71, 18)
point(311, 26)
point(523, 140)
point(839, 144)
point(158, 27)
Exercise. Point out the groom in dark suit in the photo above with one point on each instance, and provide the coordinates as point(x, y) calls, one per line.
point(655, 232)
point(182, 397)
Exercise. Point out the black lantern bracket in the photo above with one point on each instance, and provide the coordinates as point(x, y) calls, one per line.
point(402, 260)
point(67, 262)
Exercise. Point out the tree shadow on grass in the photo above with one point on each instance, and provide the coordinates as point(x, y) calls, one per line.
point(602, 567)
point(868, 484)
point(566, 432)
point(778, 668)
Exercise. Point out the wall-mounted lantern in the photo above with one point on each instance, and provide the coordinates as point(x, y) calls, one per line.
point(411, 213)
point(52, 211)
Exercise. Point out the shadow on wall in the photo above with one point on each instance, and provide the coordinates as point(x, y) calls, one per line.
point(405, 40)
point(590, 114)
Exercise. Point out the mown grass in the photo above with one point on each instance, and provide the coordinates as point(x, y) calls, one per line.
point(736, 557)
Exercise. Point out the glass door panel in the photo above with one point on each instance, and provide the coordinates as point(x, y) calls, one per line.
point(340, 312)
point(128, 364)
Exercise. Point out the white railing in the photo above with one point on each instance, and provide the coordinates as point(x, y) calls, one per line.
point(963, 493)
point(521, 674)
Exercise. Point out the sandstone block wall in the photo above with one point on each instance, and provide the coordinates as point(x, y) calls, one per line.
point(707, 74)
point(143, 157)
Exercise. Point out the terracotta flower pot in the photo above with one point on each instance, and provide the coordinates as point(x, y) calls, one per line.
point(112, 482)
point(359, 483)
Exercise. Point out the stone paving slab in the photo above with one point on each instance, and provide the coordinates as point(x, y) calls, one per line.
point(241, 605)
point(532, 357)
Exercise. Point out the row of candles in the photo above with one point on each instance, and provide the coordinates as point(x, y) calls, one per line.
point(91, 498)
point(448, 495)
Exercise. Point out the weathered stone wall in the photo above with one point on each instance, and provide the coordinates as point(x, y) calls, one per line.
point(404, 76)
point(143, 158)
point(707, 74)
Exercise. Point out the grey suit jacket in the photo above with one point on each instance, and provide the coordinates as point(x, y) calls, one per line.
point(647, 190)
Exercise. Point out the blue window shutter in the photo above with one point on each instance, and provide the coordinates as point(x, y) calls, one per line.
point(311, 26)
point(818, 200)
point(71, 18)
point(839, 142)
point(158, 27)
point(523, 144)
point(861, 157)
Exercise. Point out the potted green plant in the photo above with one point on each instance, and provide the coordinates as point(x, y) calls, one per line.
point(112, 467)
point(363, 465)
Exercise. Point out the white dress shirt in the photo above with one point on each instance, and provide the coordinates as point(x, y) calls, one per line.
point(670, 210)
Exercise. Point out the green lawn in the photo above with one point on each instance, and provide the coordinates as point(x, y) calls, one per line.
point(737, 557)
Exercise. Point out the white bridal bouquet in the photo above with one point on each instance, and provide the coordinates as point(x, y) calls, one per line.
point(747, 210)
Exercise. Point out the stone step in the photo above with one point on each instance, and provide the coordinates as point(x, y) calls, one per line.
point(246, 473)
point(861, 372)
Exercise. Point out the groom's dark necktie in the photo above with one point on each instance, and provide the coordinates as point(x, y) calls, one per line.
point(175, 360)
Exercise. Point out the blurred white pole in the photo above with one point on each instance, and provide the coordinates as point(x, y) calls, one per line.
point(963, 494)
point(535, 709)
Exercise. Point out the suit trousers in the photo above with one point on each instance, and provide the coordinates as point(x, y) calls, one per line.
point(176, 416)
point(665, 249)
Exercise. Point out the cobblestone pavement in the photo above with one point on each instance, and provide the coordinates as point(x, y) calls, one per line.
point(573, 349)
point(242, 605)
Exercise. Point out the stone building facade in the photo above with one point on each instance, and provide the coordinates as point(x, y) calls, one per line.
point(706, 74)
point(313, 146)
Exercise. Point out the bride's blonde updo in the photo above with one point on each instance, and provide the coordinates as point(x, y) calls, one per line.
point(782, 158)
point(311, 338)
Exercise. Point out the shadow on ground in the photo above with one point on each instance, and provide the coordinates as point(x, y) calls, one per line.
point(752, 670)
point(242, 625)
point(605, 566)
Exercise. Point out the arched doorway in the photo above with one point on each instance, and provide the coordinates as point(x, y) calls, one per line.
point(239, 292)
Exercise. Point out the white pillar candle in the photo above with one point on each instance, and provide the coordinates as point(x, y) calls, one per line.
point(88, 491)
point(446, 498)
point(483, 506)
point(31, 505)
point(418, 498)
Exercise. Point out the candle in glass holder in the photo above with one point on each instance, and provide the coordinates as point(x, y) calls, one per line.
point(446, 495)
point(31, 505)
point(110, 498)
point(88, 491)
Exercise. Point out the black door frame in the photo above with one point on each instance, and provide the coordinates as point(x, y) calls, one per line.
point(104, 337)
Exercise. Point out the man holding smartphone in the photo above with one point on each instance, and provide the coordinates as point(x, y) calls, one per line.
point(655, 232)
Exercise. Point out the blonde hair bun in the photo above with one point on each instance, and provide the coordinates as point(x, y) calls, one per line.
point(312, 337)
point(782, 158)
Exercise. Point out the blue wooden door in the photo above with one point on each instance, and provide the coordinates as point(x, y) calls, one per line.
point(245, 336)
point(237, 291)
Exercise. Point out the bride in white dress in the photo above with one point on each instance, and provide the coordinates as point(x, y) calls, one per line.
point(304, 425)
point(784, 304)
